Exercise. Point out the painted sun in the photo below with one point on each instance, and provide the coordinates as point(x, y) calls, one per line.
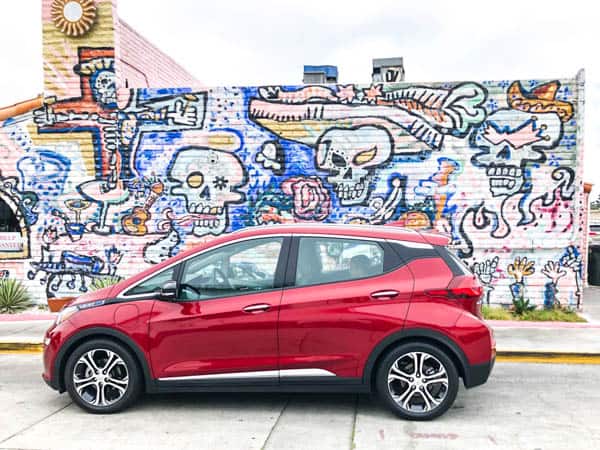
point(73, 17)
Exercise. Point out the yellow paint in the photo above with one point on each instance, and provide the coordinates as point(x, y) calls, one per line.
point(224, 140)
point(549, 358)
point(20, 347)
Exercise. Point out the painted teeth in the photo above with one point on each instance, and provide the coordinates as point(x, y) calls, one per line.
point(200, 208)
point(502, 182)
point(500, 171)
point(346, 192)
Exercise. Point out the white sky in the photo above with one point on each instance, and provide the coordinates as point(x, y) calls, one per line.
point(242, 42)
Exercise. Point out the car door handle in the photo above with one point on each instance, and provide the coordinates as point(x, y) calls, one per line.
point(383, 295)
point(260, 307)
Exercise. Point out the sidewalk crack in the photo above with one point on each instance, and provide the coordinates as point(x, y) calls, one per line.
point(287, 402)
point(35, 423)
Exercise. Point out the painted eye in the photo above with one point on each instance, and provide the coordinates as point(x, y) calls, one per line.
point(365, 156)
point(195, 180)
point(338, 160)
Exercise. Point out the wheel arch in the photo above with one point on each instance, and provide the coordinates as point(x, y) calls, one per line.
point(99, 333)
point(420, 335)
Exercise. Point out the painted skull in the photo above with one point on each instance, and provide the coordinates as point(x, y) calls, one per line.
point(510, 139)
point(104, 88)
point(350, 156)
point(208, 179)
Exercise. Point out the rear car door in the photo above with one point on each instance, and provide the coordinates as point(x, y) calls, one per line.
point(342, 296)
point(223, 325)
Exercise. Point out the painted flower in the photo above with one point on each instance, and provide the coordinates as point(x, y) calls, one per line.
point(311, 200)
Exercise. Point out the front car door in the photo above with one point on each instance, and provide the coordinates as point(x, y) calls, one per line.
point(223, 325)
point(342, 296)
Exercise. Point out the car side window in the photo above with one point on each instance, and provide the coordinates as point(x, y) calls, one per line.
point(234, 269)
point(153, 284)
point(328, 260)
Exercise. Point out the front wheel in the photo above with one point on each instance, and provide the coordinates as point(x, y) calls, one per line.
point(417, 381)
point(102, 377)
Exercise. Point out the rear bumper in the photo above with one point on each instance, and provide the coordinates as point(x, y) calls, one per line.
point(477, 374)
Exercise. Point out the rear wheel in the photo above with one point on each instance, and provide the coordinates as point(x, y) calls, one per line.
point(102, 377)
point(417, 381)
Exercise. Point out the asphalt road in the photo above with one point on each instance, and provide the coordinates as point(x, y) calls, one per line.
point(523, 406)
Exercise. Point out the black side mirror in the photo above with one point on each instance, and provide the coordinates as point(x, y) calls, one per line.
point(168, 291)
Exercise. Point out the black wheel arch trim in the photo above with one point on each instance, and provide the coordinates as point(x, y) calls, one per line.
point(415, 333)
point(97, 332)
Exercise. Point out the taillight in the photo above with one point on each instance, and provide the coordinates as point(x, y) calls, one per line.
point(464, 289)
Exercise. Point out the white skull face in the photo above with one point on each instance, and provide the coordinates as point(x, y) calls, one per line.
point(350, 155)
point(507, 141)
point(104, 88)
point(208, 179)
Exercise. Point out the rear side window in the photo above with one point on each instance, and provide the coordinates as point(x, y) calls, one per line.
point(329, 260)
point(453, 262)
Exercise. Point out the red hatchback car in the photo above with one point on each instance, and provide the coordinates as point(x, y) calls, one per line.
point(293, 308)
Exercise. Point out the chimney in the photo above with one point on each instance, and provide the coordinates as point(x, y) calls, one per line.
point(320, 74)
point(388, 70)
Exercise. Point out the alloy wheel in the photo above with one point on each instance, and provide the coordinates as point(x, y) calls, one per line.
point(418, 382)
point(100, 377)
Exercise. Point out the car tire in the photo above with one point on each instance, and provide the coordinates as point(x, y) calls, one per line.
point(409, 394)
point(102, 376)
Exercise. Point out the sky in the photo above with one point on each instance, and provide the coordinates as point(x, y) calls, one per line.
point(258, 42)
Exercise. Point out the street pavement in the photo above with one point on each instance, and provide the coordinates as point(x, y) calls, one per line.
point(523, 406)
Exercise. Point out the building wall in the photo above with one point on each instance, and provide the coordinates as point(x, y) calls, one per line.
point(141, 64)
point(105, 183)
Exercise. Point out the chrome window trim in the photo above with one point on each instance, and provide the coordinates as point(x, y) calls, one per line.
point(418, 245)
point(285, 373)
point(121, 294)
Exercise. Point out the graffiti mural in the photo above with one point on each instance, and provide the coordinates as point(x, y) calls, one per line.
point(112, 180)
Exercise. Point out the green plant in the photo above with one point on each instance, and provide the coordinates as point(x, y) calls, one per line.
point(521, 306)
point(14, 297)
point(100, 283)
point(492, 313)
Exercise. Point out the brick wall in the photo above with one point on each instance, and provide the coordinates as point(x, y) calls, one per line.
point(141, 64)
point(494, 164)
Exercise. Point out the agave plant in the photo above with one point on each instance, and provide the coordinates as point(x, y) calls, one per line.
point(103, 282)
point(522, 306)
point(14, 297)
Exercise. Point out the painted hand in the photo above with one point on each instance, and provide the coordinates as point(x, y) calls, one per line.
point(183, 114)
point(485, 270)
point(521, 268)
point(572, 259)
point(44, 116)
point(554, 271)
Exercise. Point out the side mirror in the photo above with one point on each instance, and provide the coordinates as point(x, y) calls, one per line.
point(168, 290)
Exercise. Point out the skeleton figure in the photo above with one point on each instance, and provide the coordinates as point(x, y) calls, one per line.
point(104, 88)
point(350, 156)
point(510, 139)
point(209, 181)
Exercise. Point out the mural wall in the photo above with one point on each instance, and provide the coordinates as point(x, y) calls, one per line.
point(494, 164)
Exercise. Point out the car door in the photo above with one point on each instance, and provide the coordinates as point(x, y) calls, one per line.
point(343, 296)
point(223, 324)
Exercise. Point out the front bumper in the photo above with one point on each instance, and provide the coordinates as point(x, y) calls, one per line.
point(51, 382)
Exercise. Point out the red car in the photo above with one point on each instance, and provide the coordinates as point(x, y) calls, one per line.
point(293, 308)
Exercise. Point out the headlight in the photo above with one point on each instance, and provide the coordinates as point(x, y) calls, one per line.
point(66, 313)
